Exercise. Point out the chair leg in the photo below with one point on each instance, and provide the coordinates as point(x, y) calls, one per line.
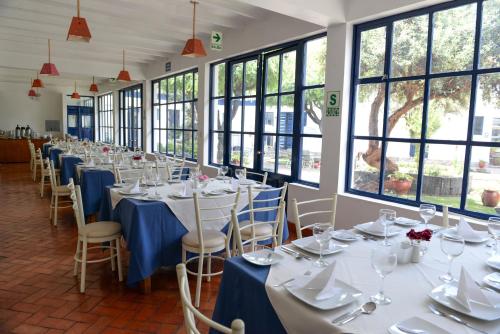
point(119, 260)
point(112, 255)
point(42, 185)
point(184, 255)
point(77, 256)
point(84, 266)
point(34, 173)
point(56, 203)
point(199, 276)
point(51, 205)
point(209, 267)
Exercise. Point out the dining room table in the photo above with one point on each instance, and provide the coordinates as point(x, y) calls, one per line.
point(68, 163)
point(257, 295)
point(54, 153)
point(45, 149)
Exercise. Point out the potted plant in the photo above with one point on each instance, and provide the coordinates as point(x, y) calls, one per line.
point(482, 164)
point(399, 182)
point(490, 198)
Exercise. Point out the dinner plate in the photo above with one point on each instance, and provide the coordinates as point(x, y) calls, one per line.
point(246, 182)
point(494, 262)
point(262, 186)
point(391, 230)
point(346, 294)
point(492, 280)
point(126, 193)
point(119, 185)
point(416, 323)
point(179, 196)
point(216, 192)
point(344, 235)
point(445, 295)
point(310, 245)
point(403, 221)
point(452, 232)
point(263, 257)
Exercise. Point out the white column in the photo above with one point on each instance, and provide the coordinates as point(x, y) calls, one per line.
point(147, 130)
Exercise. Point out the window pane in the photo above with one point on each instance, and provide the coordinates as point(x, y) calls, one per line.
point(171, 141)
point(448, 116)
point(163, 91)
point(179, 88)
point(365, 167)
point(286, 114)
point(409, 46)
point(250, 77)
point(484, 179)
point(171, 89)
point(195, 144)
point(270, 112)
point(249, 122)
point(156, 141)
point(195, 88)
point(188, 144)
point(188, 115)
point(155, 94)
point(372, 53)
point(288, 72)
point(310, 159)
point(269, 143)
point(188, 86)
point(406, 106)
point(313, 111)
point(195, 116)
point(171, 116)
point(156, 117)
point(237, 79)
point(369, 110)
point(285, 155)
point(236, 115)
point(490, 43)
point(315, 61)
point(218, 114)
point(453, 39)
point(219, 79)
point(443, 170)
point(218, 148)
point(178, 116)
point(235, 149)
point(248, 150)
point(488, 107)
point(401, 169)
point(163, 116)
point(272, 74)
point(163, 141)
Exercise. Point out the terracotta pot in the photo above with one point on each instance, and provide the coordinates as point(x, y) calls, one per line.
point(490, 198)
point(482, 164)
point(401, 187)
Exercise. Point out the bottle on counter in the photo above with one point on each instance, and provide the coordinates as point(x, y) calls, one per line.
point(23, 134)
point(28, 131)
point(18, 132)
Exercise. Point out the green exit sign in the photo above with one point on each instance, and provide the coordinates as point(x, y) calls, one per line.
point(332, 103)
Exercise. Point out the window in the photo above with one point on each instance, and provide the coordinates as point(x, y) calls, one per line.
point(425, 101)
point(131, 116)
point(175, 120)
point(266, 110)
point(105, 117)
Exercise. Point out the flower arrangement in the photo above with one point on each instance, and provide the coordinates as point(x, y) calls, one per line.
point(105, 149)
point(137, 157)
point(424, 235)
point(203, 178)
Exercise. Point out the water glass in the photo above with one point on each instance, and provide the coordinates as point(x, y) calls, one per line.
point(240, 174)
point(386, 217)
point(452, 247)
point(427, 212)
point(321, 233)
point(224, 170)
point(494, 229)
point(384, 260)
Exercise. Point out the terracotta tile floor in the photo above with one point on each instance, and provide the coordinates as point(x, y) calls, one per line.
point(38, 293)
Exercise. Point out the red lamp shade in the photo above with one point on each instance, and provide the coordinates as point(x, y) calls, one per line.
point(49, 69)
point(123, 76)
point(78, 30)
point(93, 88)
point(32, 93)
point(37, 83)
point(194, 48)
point(75, 96)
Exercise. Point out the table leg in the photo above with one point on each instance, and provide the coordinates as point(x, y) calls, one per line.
point(146, 285)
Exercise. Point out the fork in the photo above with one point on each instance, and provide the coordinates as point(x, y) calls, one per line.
point(453, 317)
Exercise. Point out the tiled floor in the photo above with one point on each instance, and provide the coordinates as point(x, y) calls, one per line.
point(38, 293)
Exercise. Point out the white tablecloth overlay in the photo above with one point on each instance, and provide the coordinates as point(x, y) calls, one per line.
point(408, 286)
point(183, 209)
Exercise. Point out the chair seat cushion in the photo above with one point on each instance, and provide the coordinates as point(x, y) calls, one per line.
point(100, 229)
point(211, 239)
point(260, 230)
point(63, 190)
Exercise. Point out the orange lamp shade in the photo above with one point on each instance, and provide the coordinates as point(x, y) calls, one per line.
point(123, 76)
point(75, 96)
point(32, 93)
point(49, 69)
point(78, 30)
point(93, 88)
point(37, 83)
point(194, 48)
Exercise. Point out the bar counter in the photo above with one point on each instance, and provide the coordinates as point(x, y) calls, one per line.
point(17, 150)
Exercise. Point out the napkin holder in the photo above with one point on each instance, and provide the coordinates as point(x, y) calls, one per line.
point(404, 251)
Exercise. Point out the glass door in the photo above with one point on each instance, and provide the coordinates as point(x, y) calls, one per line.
point(80, 117)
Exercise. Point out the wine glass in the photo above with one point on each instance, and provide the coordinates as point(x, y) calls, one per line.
point(224, 170)
point(452, 247)
point(387, 217)
point(240, 174)
point(494, 229)
point(427, 212)
point(321, 233)
point(156, 180)
point(384, 260)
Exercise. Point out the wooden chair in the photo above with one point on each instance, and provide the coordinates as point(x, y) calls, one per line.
point(57, 191)
point(204, 241)
point(128, 175)
point(94, 233)
point(37, 163)
point(44, 173)
point(191, 313)
point(33, 159)
point(330, 201)
point(262, 176)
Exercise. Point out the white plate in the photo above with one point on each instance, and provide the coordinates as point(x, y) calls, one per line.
point(346, 295)
point(262, 186)
point(217, 192)
point(220, 177)
point(179, 196)
point(445, 295)
point(452, 232)
point(344, 235)
point(492, 280)
point(119, 185)
point(494, 262)
point(417, 323)
point(391, 230)
point(309, 244)
point(126, 193)
point(263, 257)
point(407, 221)
point(246, 182)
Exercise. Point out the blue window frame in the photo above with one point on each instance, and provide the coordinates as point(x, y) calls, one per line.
point(420, 80)
point(175, 118)
point(105, 118)
point(130, 104)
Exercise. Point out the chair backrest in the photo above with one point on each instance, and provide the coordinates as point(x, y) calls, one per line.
point(178, 171)
point(76, 197)
point(191, 313)
point(128, 175)
point(150, 157)
point(262, 176)
point(330, 202)
point(39, 156)
point(52, 174)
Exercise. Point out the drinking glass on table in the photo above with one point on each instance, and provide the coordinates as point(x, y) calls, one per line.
point(427, 212)
point(156, 180)
point(224, 170)
point(321, 233)
point(387, 217)
point(494, 229)
point(383, 259)
point(240, 173)
point(452, 247)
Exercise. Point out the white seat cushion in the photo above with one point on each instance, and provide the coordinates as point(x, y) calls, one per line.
point(100, 229)
point(211, 239)
point(260, 230)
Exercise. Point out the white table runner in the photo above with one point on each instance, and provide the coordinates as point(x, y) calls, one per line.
point(408, 286)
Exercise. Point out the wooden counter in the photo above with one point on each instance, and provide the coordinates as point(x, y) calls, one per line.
point(17, 150)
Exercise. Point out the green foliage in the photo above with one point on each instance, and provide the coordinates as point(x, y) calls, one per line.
point(401, 176)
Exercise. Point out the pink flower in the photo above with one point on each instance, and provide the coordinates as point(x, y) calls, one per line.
point(137, 157)
point(105, 149)
point(203, 178)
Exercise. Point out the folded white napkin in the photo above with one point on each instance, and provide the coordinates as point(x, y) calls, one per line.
point(468, 291)
point(323, 281)
point(467, 232)
point(188, 189)
point(134, 189)
point(91, 163)
point(376, 226)
point(314, 245)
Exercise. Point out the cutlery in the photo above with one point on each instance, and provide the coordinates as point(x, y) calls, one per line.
point(484, 287)
point(284, 282)
point(493, 279)
point(292, 253)
point(405, 329)
point(366, 308)
point(453, 317)
point(305, 256)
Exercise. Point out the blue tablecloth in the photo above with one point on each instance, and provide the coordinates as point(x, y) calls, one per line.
point(242, 295)
point(68, 171)
point(93, 183)
point(45, 149)
point(54, 156)
point(153, 233)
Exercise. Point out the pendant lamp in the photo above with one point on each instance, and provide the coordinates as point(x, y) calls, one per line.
point(194, 46)
point(78, 29)
point(37, 83)
point(32, 92)
point(93, 87)
point(75, 94)
point(123, 75)
point(49, 68)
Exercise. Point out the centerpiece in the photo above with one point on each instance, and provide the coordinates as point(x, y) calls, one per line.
point(418, 241)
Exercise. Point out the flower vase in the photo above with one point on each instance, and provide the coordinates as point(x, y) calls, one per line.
point(416, 254)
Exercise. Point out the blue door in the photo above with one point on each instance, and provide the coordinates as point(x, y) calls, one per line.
point(81, 122)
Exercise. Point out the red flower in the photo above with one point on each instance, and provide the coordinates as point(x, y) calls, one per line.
point(423, 235)
point(105, 149)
